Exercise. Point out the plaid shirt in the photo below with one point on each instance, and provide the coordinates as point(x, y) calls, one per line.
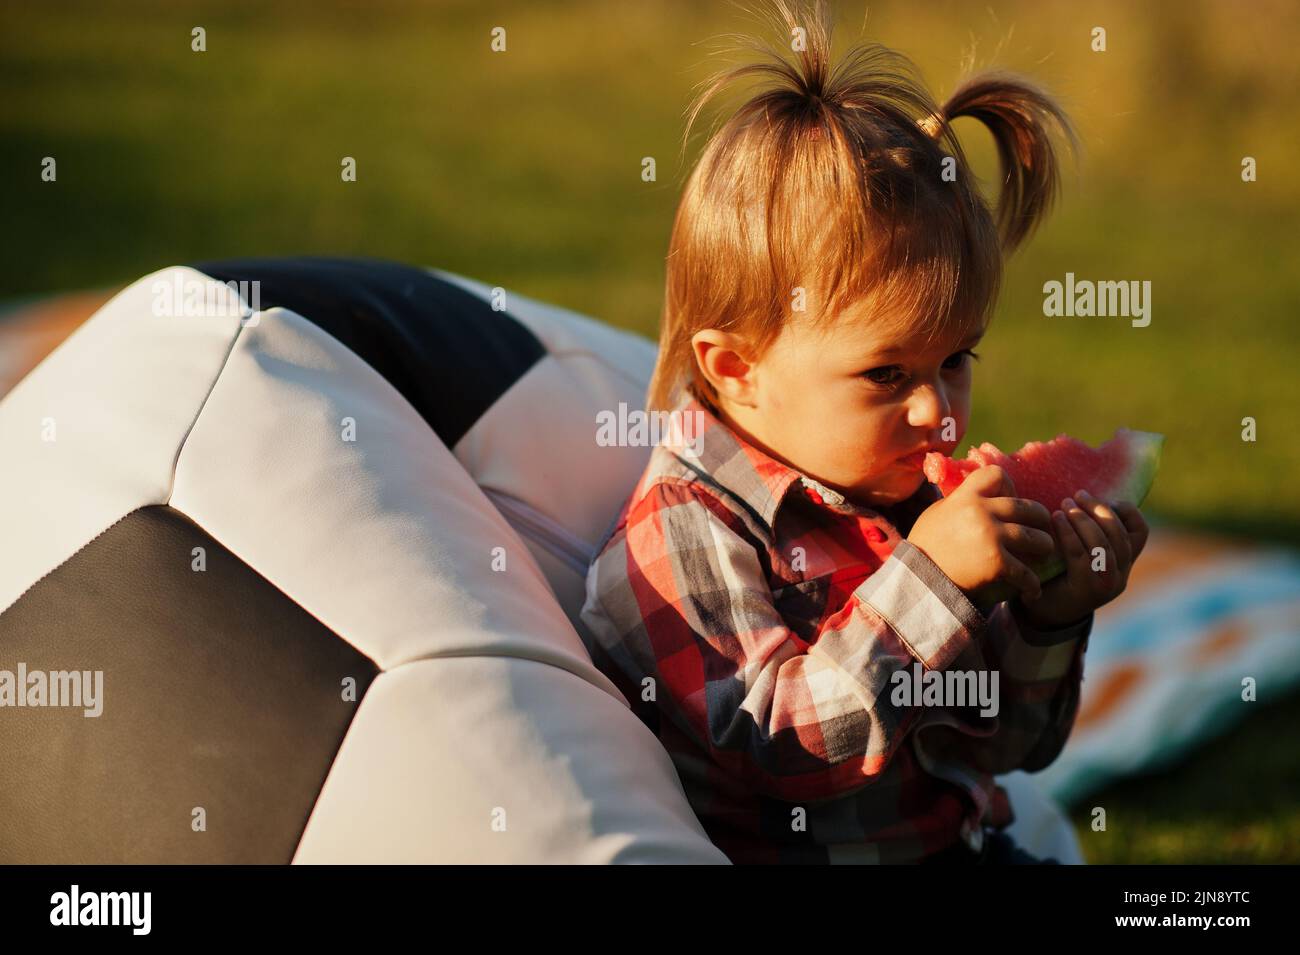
point(755, 618)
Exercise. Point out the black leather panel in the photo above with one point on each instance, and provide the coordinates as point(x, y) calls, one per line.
point(218, 692)
point(448, 353)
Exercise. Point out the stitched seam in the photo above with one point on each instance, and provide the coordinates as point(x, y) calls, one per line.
point(74, 554)
point(171, 487)
point(471, 654)
point(600, 359)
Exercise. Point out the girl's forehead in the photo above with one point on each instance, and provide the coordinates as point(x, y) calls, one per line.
point(866, 335)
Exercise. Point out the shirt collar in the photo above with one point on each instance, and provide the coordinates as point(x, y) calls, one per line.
point(704, 443)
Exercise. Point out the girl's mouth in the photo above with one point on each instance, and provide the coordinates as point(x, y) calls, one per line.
point(914, 460)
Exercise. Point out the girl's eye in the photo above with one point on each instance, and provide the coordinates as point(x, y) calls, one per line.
point(956, 360)
point(887, 375)
point(884, 376)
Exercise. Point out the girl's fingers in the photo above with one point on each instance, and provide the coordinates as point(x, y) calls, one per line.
point(1114, 529)
point(1028, 541)
point(1071, 546)
point(988, 481)
point(1018, 510)
point(1135, 524)
point(1089, 533)
point(1019, 576)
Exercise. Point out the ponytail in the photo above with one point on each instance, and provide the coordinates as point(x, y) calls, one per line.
point(830, 178)
point(1021, 117)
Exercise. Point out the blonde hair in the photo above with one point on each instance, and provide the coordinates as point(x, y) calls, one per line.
point(831, 179)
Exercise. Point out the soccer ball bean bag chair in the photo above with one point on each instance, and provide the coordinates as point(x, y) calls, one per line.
point(292, 561)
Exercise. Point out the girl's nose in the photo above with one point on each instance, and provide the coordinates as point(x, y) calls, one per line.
point(928, 407)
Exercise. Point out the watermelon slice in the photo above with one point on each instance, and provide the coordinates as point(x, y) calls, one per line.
point(1121, 469)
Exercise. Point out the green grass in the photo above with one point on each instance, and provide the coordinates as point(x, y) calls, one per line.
point(523, 169)
point(1237, 801)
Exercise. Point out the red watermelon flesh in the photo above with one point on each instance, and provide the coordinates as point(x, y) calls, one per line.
point(1121, 469)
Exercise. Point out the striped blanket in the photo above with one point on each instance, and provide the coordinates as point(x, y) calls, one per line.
point(1204, 623)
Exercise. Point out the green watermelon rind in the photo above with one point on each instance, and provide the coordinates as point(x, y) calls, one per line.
point(1146, 447)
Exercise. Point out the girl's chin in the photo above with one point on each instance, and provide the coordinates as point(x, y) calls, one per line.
point(892, 490)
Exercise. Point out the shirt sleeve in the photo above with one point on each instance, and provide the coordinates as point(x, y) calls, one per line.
point(1040, 676)
point(682, 597)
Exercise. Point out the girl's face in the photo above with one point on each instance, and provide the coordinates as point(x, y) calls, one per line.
point(852, 407)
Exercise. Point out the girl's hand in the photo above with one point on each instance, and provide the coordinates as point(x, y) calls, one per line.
point(983, 534)
point(1079, 527)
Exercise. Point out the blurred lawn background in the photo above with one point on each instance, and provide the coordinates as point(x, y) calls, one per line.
point(523, 169)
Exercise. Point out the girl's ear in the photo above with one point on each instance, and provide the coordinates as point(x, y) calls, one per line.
point(723, 359)
point(1022, 118)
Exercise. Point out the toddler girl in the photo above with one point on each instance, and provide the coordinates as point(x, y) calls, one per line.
point(783, 568)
